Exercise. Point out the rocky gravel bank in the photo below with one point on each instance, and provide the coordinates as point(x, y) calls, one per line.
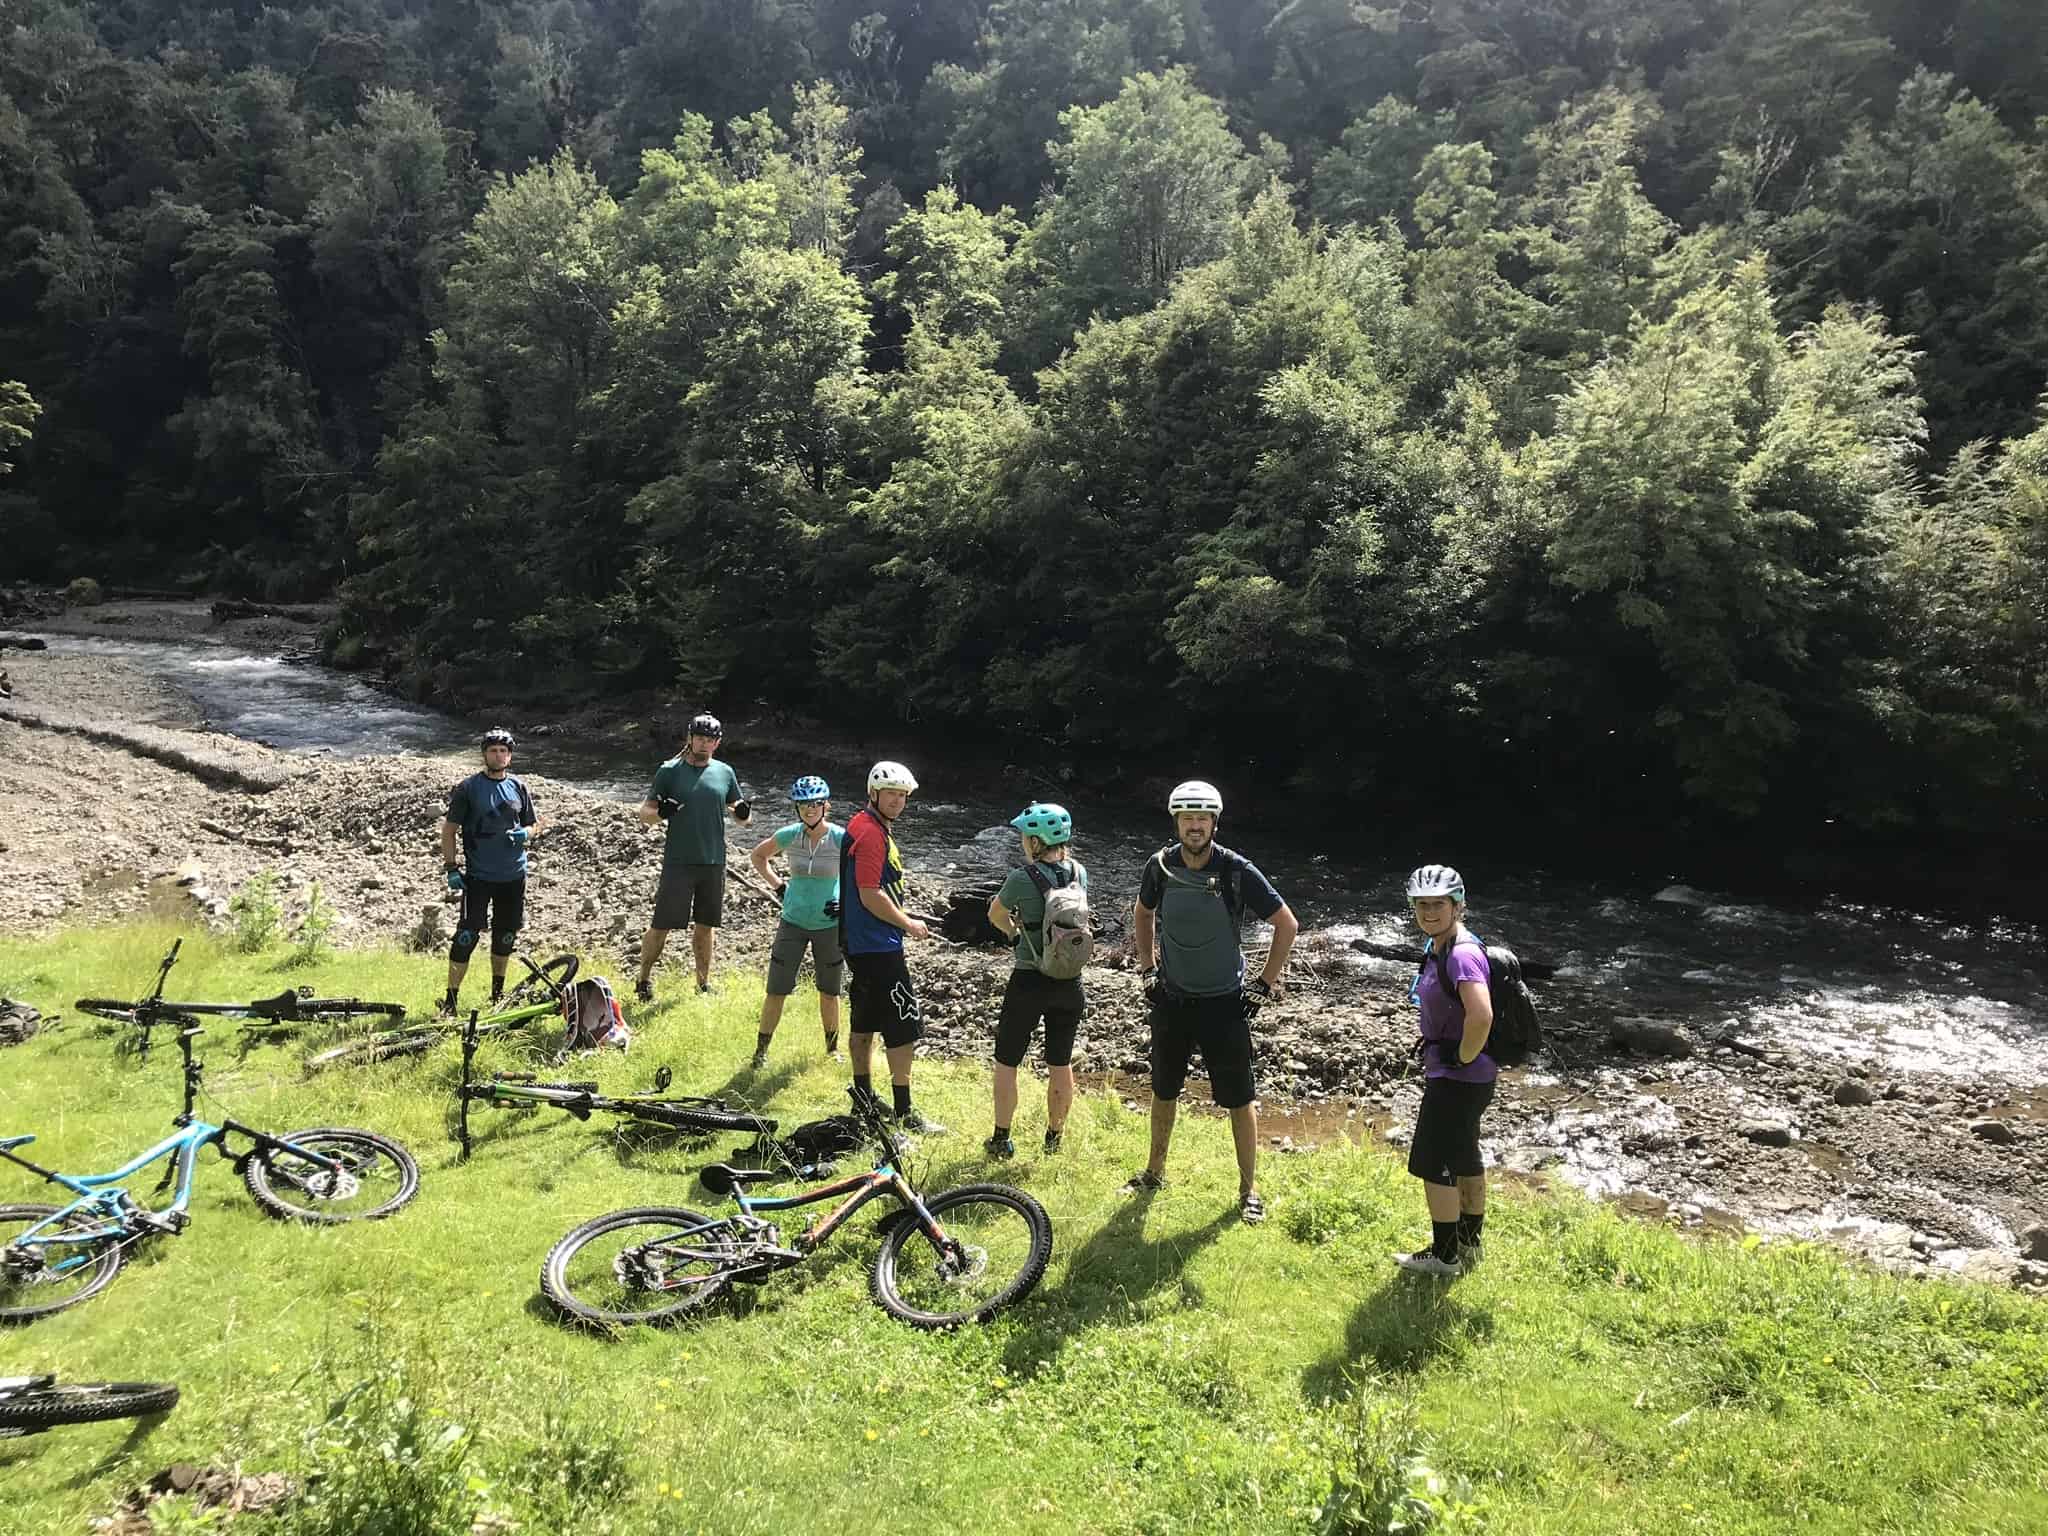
point(109, 806)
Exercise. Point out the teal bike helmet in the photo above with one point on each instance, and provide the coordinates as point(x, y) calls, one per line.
point(808, 788)
point(1050, 824)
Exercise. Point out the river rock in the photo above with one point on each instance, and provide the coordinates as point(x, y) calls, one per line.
point(1997, 1132)
point(1649, 1036)
point(1769, 1133)
point(1851, 1094)
point(2034, 1242)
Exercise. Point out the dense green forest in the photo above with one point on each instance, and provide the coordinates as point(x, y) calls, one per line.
point(1630, 408)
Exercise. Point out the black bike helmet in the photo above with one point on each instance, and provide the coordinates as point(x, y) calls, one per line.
point(707, 725)
point(499, 737)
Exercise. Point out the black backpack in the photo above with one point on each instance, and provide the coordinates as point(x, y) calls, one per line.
point(1517, 1034)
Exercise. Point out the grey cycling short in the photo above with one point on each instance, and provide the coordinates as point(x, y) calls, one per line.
point(787, 953)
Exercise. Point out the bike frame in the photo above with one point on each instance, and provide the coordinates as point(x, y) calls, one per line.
point(103, 1192)
point(883, 1179)
point(269, 1016)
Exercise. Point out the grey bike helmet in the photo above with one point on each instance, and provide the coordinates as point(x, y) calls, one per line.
point(1437, 880)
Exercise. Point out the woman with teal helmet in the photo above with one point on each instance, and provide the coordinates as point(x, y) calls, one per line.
point(1031, 997)
point(810, 892)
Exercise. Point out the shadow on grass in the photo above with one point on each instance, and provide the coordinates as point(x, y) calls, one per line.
point(131, 1442)
point(1118, 1272)
point(1408, 1322)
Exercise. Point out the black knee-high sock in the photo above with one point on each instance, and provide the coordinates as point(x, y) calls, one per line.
point(1444, 1240)
point(902, 1091)
point(864, 1084)
point(1470, 1225)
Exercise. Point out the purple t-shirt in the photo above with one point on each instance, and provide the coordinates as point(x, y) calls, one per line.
point(1443, 1018)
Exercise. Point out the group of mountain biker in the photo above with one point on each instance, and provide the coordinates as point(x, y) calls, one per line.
point(1191, 904)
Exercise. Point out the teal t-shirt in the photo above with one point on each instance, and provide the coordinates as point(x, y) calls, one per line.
point(696, 832)
point(813, 874)
point(1019, 895)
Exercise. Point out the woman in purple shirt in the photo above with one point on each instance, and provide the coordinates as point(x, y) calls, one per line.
point(1455, 1013)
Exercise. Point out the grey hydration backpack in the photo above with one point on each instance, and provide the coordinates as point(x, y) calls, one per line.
point(1066, 934)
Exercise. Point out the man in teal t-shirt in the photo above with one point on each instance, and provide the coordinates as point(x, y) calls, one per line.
point(692, 793)
point(810, 911)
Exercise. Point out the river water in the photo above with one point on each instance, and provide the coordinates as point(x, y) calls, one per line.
point(1894, 988)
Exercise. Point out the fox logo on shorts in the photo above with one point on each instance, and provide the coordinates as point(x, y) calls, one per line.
point(905, 1001)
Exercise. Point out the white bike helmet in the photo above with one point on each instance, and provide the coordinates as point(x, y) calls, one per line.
point(890, 776)
point(1437, 880)
point(1195, 795)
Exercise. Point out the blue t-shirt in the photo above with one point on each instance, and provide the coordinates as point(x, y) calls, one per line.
point(487, 809)
point(1442, 1017)
point(813, 874)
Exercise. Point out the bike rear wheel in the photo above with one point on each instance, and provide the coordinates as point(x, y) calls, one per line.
point(998, 1242)
point(347, 1008)
point(376, 1177)
point(107, 1008)
point(46, 1405)
point(36, 1282)
point(618, 1268)
point(541, 983)
point(683, 1118)
point(360, 1053)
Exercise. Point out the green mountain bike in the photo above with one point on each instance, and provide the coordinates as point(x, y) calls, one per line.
point(537, 996)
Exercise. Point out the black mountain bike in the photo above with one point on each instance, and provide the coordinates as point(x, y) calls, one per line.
point(522, 1091)
point(31, 1404)
point(266, 1018)
point(949, 1259)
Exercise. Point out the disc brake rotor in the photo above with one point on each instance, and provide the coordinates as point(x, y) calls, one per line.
point(328, 1183)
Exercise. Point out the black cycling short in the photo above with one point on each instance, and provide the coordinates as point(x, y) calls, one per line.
point(1215, 1026)
point(1029, 997)
point(494, 906)
point(689, 894)
point(1446, 1145)
point(881, 1000)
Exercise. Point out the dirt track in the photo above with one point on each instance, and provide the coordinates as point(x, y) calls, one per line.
point(109, 805)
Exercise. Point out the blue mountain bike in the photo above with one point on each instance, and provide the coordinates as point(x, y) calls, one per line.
point(52, 1257)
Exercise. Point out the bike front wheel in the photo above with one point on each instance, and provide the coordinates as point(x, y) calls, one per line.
point(34, 1282)
point(997, 1243)
point(651, 1264)
point(47, 1404)
point(542, 983)
point(375, 1176)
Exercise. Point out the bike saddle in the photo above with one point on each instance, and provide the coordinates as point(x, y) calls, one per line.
point(283, 1006)
point(723, 1178)
point(9, 1143)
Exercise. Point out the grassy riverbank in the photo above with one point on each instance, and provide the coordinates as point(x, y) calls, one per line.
point(1175, 1372)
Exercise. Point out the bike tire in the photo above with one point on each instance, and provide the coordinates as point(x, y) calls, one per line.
point(540, 982)
point(684, 1119)
point(106, 1008)
point(17, 1288)
point(383, 1173)
point(583, 1279)
point(83, 1402)
point(1005, 1228)
point(347, 1008)
point(376, 1048)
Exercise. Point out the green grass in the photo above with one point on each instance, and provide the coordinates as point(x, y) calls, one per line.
point(1175, 1372)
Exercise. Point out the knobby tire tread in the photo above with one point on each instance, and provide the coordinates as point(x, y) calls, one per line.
point(85, 1402)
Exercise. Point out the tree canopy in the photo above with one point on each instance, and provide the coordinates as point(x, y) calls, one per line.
point(1641, 401)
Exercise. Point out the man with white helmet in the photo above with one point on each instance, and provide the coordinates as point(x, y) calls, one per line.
point(1191, 901)
point(693, 794)
point(872, 923)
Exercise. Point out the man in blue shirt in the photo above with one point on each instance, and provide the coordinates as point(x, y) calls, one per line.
point(494, 816)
